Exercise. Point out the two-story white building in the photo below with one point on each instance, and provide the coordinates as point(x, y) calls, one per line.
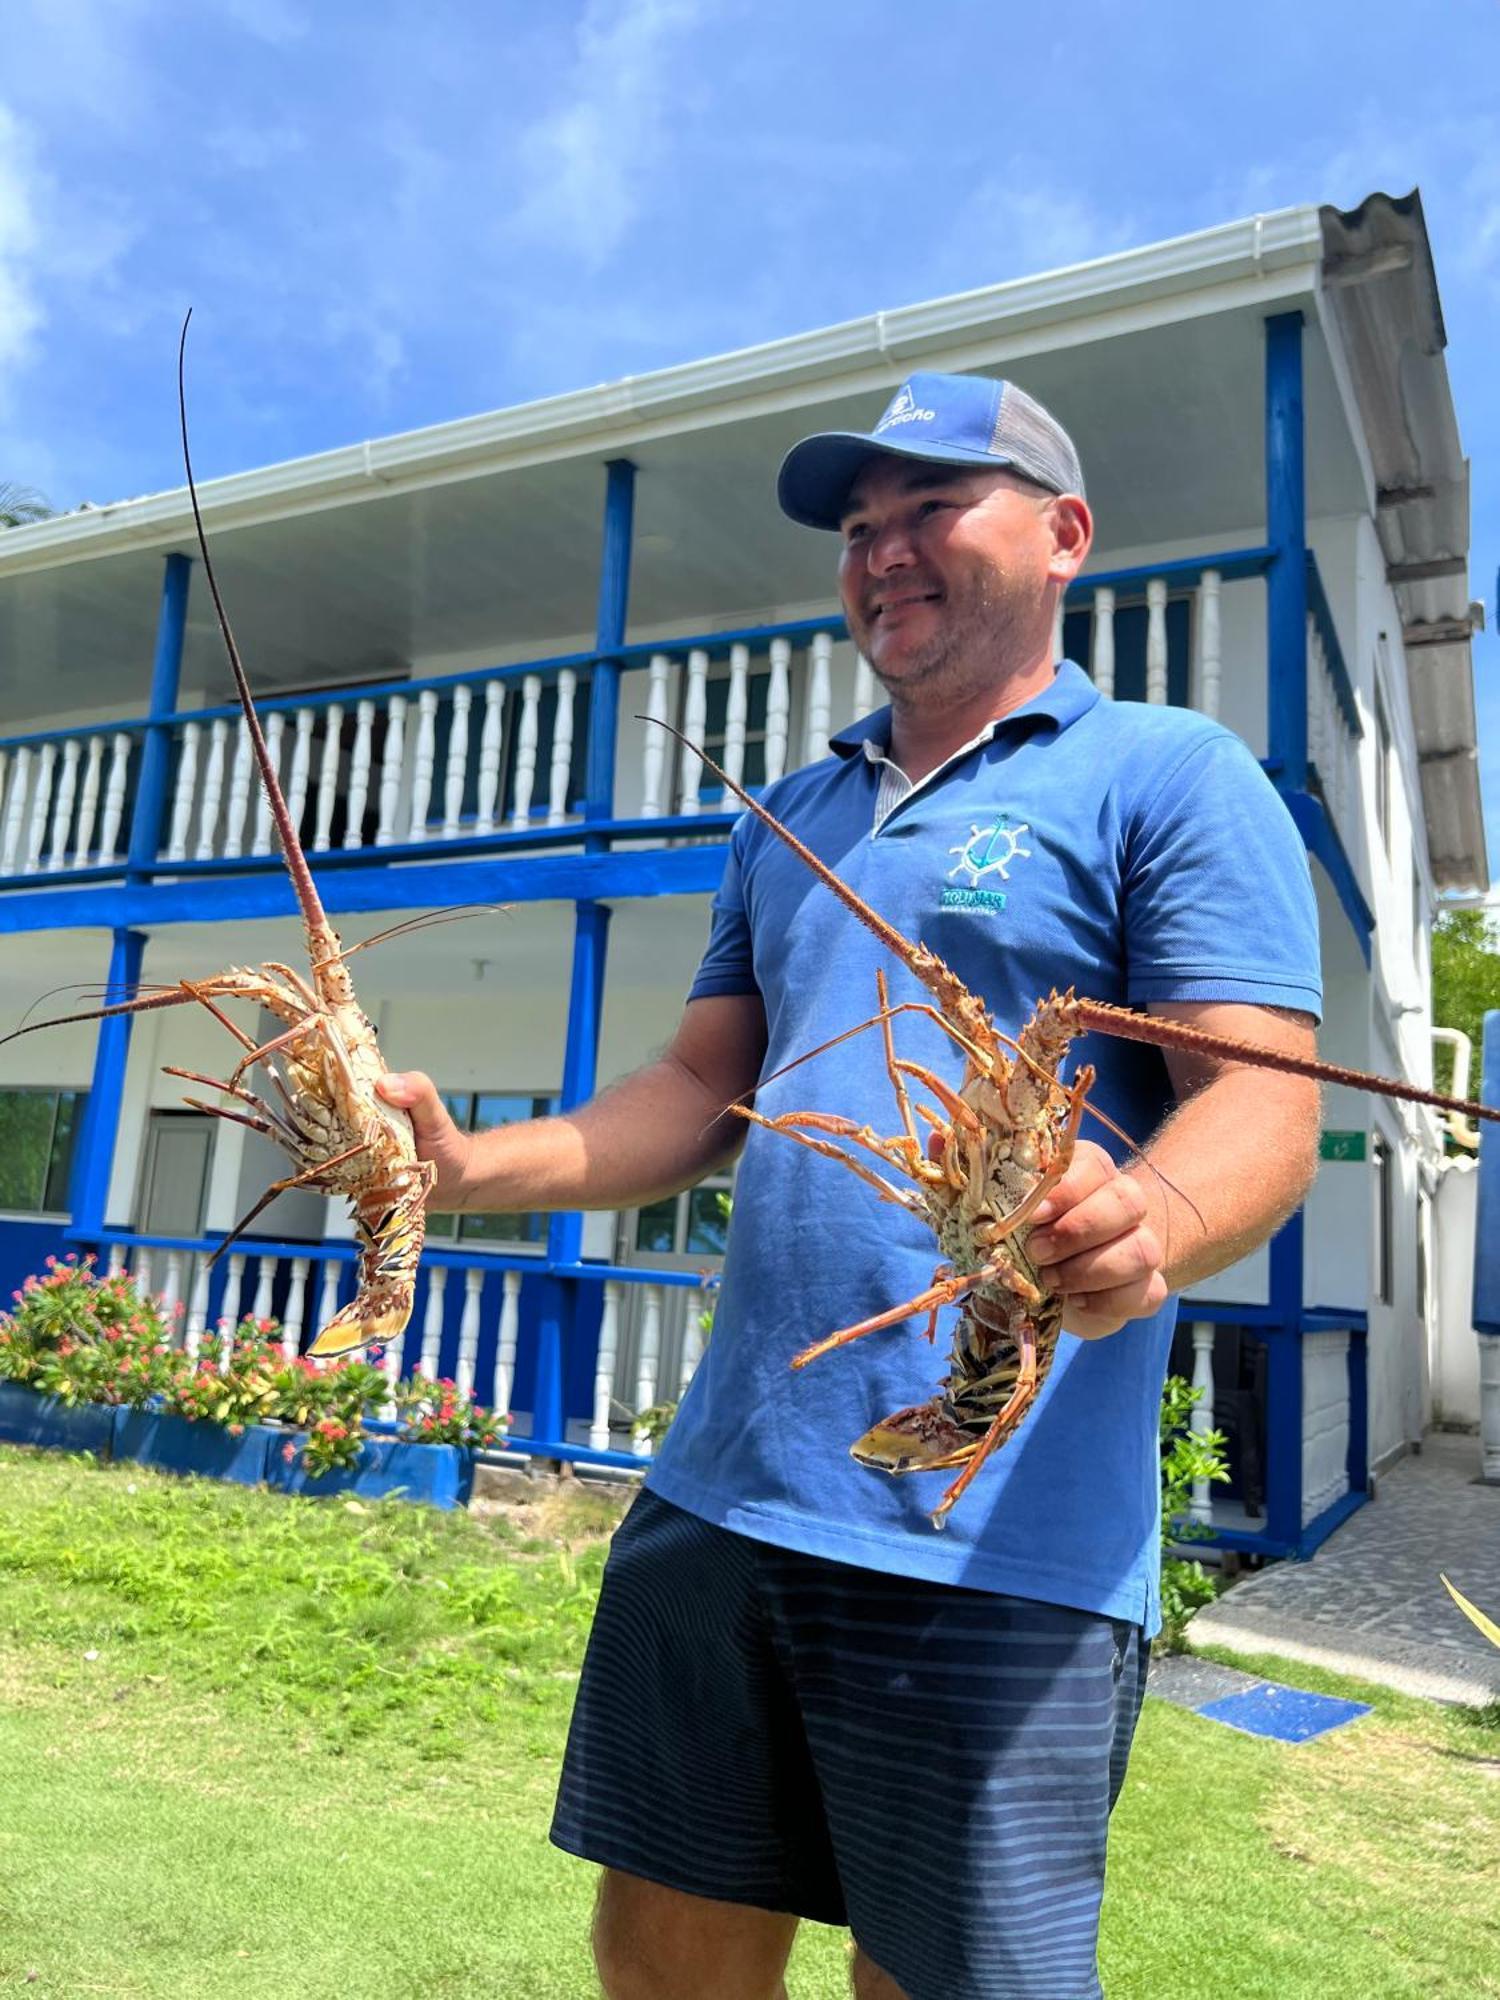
point(454, 633)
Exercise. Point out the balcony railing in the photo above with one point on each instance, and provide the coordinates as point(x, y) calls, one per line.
point(495, 758)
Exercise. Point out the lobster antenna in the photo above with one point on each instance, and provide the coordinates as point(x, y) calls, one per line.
point(291, 847)
point(889, 936)
point(1167, 1034)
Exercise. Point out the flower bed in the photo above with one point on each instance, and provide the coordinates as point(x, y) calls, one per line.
point(88, 1364)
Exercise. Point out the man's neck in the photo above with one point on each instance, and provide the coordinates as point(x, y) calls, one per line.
point(926, 734)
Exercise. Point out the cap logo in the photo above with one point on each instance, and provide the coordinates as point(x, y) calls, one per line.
point(904, 409)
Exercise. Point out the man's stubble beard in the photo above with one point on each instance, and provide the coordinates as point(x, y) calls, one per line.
point(984, 638)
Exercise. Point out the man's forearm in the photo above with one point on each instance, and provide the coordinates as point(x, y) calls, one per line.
point(1230, 1165)
point(655, 1132)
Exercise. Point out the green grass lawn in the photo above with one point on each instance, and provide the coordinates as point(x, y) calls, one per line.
point(264, 1747)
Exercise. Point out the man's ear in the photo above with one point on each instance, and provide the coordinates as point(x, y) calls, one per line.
point(1072, 536)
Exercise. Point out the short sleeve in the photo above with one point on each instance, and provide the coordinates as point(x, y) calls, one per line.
point(1218, 894)
point(728, 965)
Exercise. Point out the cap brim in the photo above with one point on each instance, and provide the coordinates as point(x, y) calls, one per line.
point(816, 474)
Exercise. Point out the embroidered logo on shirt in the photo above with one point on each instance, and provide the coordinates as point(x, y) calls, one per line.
point(988, 851)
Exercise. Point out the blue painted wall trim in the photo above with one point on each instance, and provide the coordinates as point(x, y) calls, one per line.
point(613, 613)
point(93, 1162)
point(1487, 1220)
point(1321, 841)
point(156, 752)
point(1286, 532)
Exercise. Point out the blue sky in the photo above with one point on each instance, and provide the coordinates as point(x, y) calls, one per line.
point(394, 214)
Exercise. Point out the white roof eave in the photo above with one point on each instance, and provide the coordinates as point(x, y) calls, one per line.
point(1262, 257)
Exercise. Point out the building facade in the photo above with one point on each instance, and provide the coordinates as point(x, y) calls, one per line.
point(455, 636)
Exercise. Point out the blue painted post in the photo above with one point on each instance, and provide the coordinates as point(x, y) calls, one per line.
point(1486, 1307)
point(94, 1155)
point(1286, 534)
point(613, 611)
point(1284, 1387)
point(156, 757)
point(565, 1230)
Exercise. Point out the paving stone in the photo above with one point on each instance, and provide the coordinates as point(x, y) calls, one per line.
point(1188, 1683)
point(1371, 1603)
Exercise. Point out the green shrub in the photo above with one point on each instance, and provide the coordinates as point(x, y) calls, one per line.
point(1186, 1455)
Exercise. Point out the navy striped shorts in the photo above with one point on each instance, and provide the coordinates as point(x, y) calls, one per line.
point(933, 1767)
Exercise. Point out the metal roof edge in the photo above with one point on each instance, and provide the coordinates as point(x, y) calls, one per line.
point(608, 416)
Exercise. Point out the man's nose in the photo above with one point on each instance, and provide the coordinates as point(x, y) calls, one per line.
point(889, 547)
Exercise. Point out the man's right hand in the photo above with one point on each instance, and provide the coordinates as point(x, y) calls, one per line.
point(438, 1138)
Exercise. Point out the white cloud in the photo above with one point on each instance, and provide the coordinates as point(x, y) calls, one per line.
point(21, 315)
point(1010, 227)
point(586, 162)
point(275, 21)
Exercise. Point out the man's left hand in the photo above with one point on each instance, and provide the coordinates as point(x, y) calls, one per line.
point(1095, 1244)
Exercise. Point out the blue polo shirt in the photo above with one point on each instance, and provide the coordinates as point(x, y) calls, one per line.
point(1137, 853)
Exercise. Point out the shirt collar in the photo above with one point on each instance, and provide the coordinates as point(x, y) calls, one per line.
point(1071, 695)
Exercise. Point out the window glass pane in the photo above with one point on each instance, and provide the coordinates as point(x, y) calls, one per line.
point(492, 1108)
point(656, 1226)
point(707, 1223)
point(530, 1229)
point(26, 1118)
point(70, 1105)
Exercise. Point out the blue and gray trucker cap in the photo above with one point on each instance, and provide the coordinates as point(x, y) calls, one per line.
point(967, 420)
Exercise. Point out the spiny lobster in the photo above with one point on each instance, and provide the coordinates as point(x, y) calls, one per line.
point(342, 1137)
point(1005, 1142)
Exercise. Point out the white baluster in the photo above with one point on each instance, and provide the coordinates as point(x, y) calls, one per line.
point(265, 1278)
point(275, 729)
point(654, 743)
point(1102, 664)
point(1058, 614)
point(197, 1314)
point(432, 1321)
point(562, 748)
point(116, 1260)
point(489, 756)
point(182, 795)
point(234, 1288)
point(604, 1365)
point(88, 804)
point(505, 1347)
point(328, 1297)
point(531, 701)
point(692, 1339)
point(819, 698)
point(646, 1362)
point(15, 809)
point(239, 794)
point(1209, 644)
point(424, 758)
point(114, 796)
point(296, 1309)
point(359, 774)
point(296, 790)
point(778, 709)
point(62, 816)
point(1156, 640)
point(142, 1271)
point(736, 719)
point(468, 1333)
point(695, 729)
point(390, 1368)
point(171, 1290)
point(390, 768)
point(866, 700)
point(1200, 1508)
point(328, 776)
point(41, 799)
point(1317, 747)
point(213, 789)
point(458, 761)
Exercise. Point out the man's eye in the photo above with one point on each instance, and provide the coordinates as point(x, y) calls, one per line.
point(930, 507)
point(856, 531)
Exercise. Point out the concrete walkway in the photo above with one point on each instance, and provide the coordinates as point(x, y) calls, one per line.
point(1369, 1603)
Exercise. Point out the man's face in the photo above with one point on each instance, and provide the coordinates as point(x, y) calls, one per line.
point(944, 574)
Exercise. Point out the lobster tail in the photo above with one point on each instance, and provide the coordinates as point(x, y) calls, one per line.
point(390, 1223)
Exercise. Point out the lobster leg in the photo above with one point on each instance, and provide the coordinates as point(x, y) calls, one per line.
point(309, 1177)
point(788, 1122)
point(943, 1293)
point(1020, 1401)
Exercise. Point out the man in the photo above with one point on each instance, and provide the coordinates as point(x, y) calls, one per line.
point(800, 1700)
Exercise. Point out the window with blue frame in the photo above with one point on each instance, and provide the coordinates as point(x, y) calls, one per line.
point(1130, 648)
point(482, 1111)
point(38, 1131)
